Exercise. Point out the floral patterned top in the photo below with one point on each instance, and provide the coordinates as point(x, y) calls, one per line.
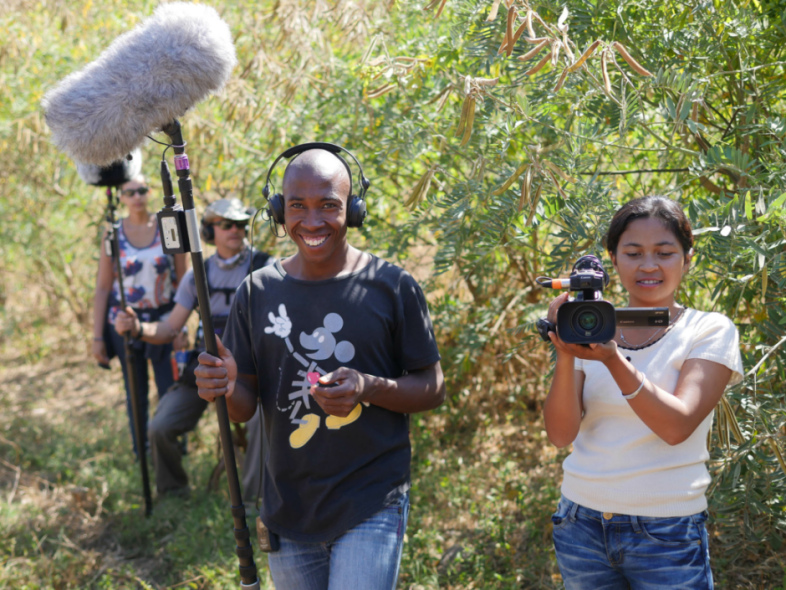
point(148, 276)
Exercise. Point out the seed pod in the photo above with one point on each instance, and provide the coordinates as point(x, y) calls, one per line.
point(774, 446)
point(494, 10)
point(584, 56)
point(443, 99)
point(554, 168)
point(539, 65)
point(534, 51)
point(517, 35)
point(525, 186)
point(369, 49)
point(441, 8)
point(534, 204)
point(566, 47)
point(556, 46)
point(480, 169)
point(556, 183)
point(562, 19)
point(535, 40)
point(530, 29)
point(636, 66)
point(730, 421)
point(440, 97)
point(485, 81)
point(470, 121)
point(421, 188)
point(604, 69)
point(380, 90)
point(561, 80)
point(512, 12)
point(503, 46)
point(511, 180)
point(463, 119)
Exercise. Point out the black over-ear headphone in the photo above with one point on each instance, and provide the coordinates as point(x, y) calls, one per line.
point(208, 233)
point(356, 211)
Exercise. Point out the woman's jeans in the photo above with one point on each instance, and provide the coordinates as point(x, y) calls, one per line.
point(366, 557)
point(609, 551)
point(162, 373)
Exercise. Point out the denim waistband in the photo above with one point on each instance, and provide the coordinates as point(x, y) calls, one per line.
point(577, 510)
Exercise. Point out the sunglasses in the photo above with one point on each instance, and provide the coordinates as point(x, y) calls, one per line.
point(227, 224)
point(129, 192)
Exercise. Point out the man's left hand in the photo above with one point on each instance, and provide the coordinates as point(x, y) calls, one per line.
point(338, 393)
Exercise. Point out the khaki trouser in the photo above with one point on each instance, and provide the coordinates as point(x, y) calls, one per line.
point(179, 412)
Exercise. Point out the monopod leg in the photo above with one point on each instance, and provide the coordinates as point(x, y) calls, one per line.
point(243, 547)
point(141, 445)
point(133, 386)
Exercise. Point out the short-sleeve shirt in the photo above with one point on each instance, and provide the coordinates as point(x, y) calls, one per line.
point(618, 463)
point(222, 282)
point(324, 475)
point(217, 277)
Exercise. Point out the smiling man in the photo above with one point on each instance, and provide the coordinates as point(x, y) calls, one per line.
point(340, 350)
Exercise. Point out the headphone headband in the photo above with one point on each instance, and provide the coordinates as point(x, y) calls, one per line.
point(318, 145)
point(356, 212)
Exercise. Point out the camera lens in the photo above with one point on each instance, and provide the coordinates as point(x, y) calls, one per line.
point(588, 320)
point(584, 322)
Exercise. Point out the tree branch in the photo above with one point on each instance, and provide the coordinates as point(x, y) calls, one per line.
point(640, 171)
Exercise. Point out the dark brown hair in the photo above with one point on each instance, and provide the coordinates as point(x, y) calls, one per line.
point(666, 210)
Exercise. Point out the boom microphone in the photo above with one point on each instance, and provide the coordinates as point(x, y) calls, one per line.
point(146, 78)
point(116, 174)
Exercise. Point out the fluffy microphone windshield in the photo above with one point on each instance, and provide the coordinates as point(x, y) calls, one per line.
point(141, 82)
point(116, 174)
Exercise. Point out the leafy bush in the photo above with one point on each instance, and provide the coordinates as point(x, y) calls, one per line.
point(487, 171)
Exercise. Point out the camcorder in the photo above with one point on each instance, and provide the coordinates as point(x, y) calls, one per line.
point(587, 318)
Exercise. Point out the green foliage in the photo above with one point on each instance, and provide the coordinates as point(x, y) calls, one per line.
point(552, 154)
point(476, 206)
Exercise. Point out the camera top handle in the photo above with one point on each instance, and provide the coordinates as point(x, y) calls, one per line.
point(589, 277)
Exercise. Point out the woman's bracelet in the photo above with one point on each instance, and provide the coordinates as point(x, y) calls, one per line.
point(630, 396)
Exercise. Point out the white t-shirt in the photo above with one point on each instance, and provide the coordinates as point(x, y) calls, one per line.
point(618, 464)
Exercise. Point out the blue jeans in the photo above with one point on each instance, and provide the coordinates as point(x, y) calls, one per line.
point(609, 551)
point(366, 557)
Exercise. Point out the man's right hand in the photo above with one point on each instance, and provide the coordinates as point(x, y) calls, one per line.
point(216, 376)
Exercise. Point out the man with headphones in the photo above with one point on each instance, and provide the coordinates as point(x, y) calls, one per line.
point(338, 348)
point(224, 224)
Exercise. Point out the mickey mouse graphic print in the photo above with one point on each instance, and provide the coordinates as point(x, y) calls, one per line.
point(326, 474)
point(323, 346)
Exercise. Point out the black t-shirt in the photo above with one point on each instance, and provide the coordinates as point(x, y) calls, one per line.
point(325, 475)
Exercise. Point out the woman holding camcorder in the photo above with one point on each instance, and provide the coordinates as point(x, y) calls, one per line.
point(638, 410)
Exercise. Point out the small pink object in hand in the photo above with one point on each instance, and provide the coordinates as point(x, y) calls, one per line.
point(313, 378)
